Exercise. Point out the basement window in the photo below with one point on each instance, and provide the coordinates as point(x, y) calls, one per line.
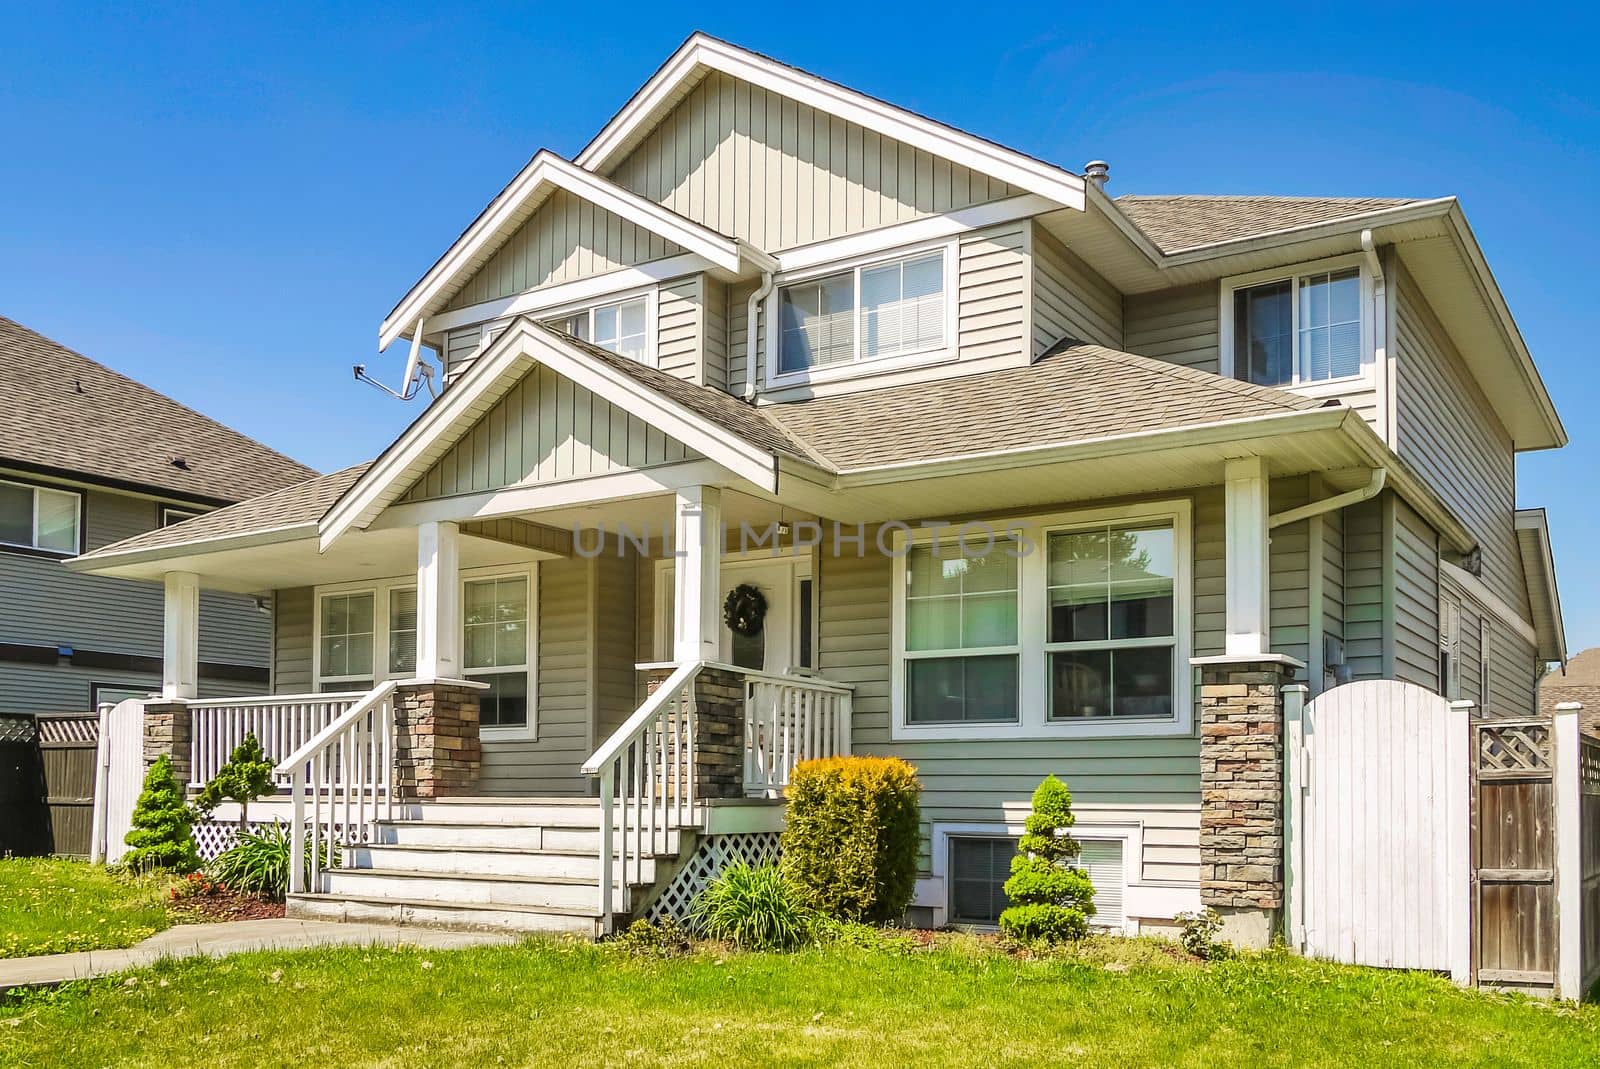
point(980, 866)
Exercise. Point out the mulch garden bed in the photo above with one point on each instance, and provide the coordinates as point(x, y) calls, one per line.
point(199, 900)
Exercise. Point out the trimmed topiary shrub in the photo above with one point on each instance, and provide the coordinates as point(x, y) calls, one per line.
point(246, 777)
point(850, 836)
point(162, 835)
point(1052, 899)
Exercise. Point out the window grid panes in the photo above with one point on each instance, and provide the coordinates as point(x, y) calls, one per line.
point(882, 310)
point(346, 637)
point(402, 632)
point(621, 327)
point(1304, 329)
point(1110, 630)
point(35, 517)
point(961, 623)
point(495, 626)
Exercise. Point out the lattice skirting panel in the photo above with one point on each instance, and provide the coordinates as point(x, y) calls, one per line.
point(711, 855)
point(212, 837)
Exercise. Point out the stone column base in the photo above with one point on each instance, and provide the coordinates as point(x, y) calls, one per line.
point(718, 734)
point(1249, 928)
point(167, 731)
point(438, 753)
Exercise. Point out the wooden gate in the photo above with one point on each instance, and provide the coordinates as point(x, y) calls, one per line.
point(67, 744)
point(1377, 868)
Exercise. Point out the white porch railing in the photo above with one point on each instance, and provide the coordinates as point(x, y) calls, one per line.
point(341, 783)
point(646, 774)
point(282, 722)
point(789, 719)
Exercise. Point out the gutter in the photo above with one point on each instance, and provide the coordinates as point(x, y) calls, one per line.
point(1329, 504)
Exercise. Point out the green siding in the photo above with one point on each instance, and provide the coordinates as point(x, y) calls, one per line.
point(1070, 299)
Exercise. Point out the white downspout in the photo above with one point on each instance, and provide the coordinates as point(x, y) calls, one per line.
point(1328, 504)
point(1380, 333)
point(750, 334)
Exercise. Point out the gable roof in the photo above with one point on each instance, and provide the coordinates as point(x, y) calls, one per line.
point(65, 413)
point(1074, 392)
point(1179, 223)
point(520, 198)
point(1539, 573)
point(702, 53)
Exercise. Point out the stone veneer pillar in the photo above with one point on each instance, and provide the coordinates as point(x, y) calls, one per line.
point(1241, 792)
point(166, 731)
point(438, 753)
point(718, 734)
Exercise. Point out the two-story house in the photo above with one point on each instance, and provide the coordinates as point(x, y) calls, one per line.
point(957, 457)
point(89, 457)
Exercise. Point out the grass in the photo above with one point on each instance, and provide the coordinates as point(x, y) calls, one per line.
point(54, 906)
point(959, 1003)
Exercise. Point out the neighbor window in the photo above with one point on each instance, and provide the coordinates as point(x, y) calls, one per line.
point(961, 647)
point(881, 310)
point(1297, 330)
point(36, 517)
point(1110, 633)
point(619, 327)
point(495, 622)
point(345, 650)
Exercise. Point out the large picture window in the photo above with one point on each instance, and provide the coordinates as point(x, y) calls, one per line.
point(40, 518)
point(1303, 329)
point(495, 621)
point(872, 312)
point(960, 636)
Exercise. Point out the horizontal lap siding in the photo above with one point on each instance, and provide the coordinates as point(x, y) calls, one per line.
point(1511, 672)
point(714, 332)
point(754, 165)
point(1179, 325)
point(545, 428)
point(44, 688)
point(291, 650)
point(1364, 589)
point(1069, 299)
point(1416, 598)
point(738, 334)
point(563, 707)
point(1289, 556)
point(992, 297)
point(1448, 432)
point(615, 588)
point(679, 318)
point(965, 781)
point(565, 239)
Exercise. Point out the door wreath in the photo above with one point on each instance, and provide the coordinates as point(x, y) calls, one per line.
point(744, 610)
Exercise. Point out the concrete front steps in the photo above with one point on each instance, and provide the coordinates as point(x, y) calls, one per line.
point(499, 864)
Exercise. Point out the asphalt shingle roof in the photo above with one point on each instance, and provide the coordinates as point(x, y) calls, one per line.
point(63, 411)
point(1176, 223)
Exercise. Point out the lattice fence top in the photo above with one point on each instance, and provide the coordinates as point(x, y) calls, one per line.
point(74, 727)
point(1589, 766)
point(16, 729)
point(1509, 749)
point(711, 855)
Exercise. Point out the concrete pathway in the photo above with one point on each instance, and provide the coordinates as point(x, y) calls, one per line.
point(231, 937)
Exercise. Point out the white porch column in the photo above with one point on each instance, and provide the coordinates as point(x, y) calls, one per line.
point(180, 636)
point(438, 600)
point(697, 578)
point(1247, 563)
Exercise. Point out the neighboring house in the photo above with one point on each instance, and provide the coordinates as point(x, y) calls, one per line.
point(89, 457)
point(1220, 443)
point(1576, 681)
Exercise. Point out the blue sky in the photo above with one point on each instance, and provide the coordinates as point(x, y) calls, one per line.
point(224, 203)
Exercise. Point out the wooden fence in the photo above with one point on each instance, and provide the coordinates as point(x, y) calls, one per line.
point(1514, 932)
point(67, 743)
point(24, 822)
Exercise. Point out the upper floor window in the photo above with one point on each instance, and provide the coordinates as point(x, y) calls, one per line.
point(1302, 329)
point(171, 514)
point(870, 312)
point(622, 326)
point(38, 517)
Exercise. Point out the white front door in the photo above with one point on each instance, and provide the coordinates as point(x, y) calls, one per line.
point(772, 649)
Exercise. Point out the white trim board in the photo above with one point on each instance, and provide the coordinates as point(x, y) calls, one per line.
point(1476, 589)
point(701, 53)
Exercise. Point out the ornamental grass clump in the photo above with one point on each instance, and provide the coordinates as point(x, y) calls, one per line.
point(850, 836)
point(1052, 899)
point(162, 836)
point(754, 909)
point(258, 861)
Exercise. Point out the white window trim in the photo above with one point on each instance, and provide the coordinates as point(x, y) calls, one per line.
point(171, 514)
point(651, 295)
point(77, 523)
point(1033, 683)
point(1130, 835)
point(382, 590)
point(861, 365)
point(1366, 377)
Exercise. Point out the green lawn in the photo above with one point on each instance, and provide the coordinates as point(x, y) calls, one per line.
point(962, 1004)
point(52, 906)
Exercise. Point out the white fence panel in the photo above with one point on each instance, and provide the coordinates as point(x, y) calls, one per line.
point(1378, 828)
point(118, 778)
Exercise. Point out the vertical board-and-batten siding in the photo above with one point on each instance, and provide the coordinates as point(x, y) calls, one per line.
point(975, 781)
point(565, 239)
point(546, 428)
point(1069, 299)
point(755, 165)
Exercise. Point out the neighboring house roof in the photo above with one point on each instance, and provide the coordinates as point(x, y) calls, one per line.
point(1178, 223)
point(297, 506)
point(65, 413)
point(1075, 391)
point(1577, 681)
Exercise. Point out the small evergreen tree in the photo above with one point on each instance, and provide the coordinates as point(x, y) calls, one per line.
point(246, 777)
point(1052, 898)
point(161, 837)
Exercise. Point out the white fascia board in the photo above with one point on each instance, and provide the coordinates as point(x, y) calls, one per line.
point(1060, 186)
point(1534, 520)
point(548, 169)
point(103, 560)
point(914, 232)
point(1479, 591)
point(526, 340)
